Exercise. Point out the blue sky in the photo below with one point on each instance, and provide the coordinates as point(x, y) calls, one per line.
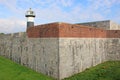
point(12, 12)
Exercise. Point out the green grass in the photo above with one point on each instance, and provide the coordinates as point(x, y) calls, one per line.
point(106, 71)
point(12, 71)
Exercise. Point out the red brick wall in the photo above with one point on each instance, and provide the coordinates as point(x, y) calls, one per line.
point(67, 30)
point(47, 30)
point(70, 30)
point(113, 33)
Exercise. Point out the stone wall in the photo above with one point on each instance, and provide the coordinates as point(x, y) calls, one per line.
point(107, 25)
point(39, 54)
point(77, 54)
point(113, 49)
point(98, 24)
point(114, 26)
point(61, 50)
point(59, 57)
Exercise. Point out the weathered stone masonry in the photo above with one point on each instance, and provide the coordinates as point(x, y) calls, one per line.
point(60, 49)
point(38, 54)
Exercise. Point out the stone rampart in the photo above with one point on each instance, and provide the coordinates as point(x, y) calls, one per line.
point(61, 50)
point(39, 54)
point(106, 25)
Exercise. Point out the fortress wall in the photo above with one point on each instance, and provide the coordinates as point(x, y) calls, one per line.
point(113, 33)
point(65, 30)
point(60, 49)
point(107, 25)
point(114, 26)
point(99, 24)
point(77, 54)
point(59, 57)
point(55, 30)
point(80, 31)
point(113, 49)
point(38, 54)
point(46, 30)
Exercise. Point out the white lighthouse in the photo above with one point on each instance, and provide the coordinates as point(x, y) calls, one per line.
point(30, 15)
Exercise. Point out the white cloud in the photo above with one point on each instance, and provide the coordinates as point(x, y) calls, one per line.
point(97, 4)
point(11, 25)
point(9, 4)
point(66, 3)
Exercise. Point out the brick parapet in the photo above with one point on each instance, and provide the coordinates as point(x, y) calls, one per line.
point(113, 33)
point(70, 30)
point(47, 30)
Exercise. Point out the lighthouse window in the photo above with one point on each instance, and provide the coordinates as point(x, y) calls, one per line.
point(28, 13)
point(31, 12)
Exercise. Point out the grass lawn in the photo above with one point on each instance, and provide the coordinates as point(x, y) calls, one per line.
point(106, 71)
point(12, 71)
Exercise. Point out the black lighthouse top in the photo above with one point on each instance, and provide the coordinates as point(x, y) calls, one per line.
point(30, 13)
